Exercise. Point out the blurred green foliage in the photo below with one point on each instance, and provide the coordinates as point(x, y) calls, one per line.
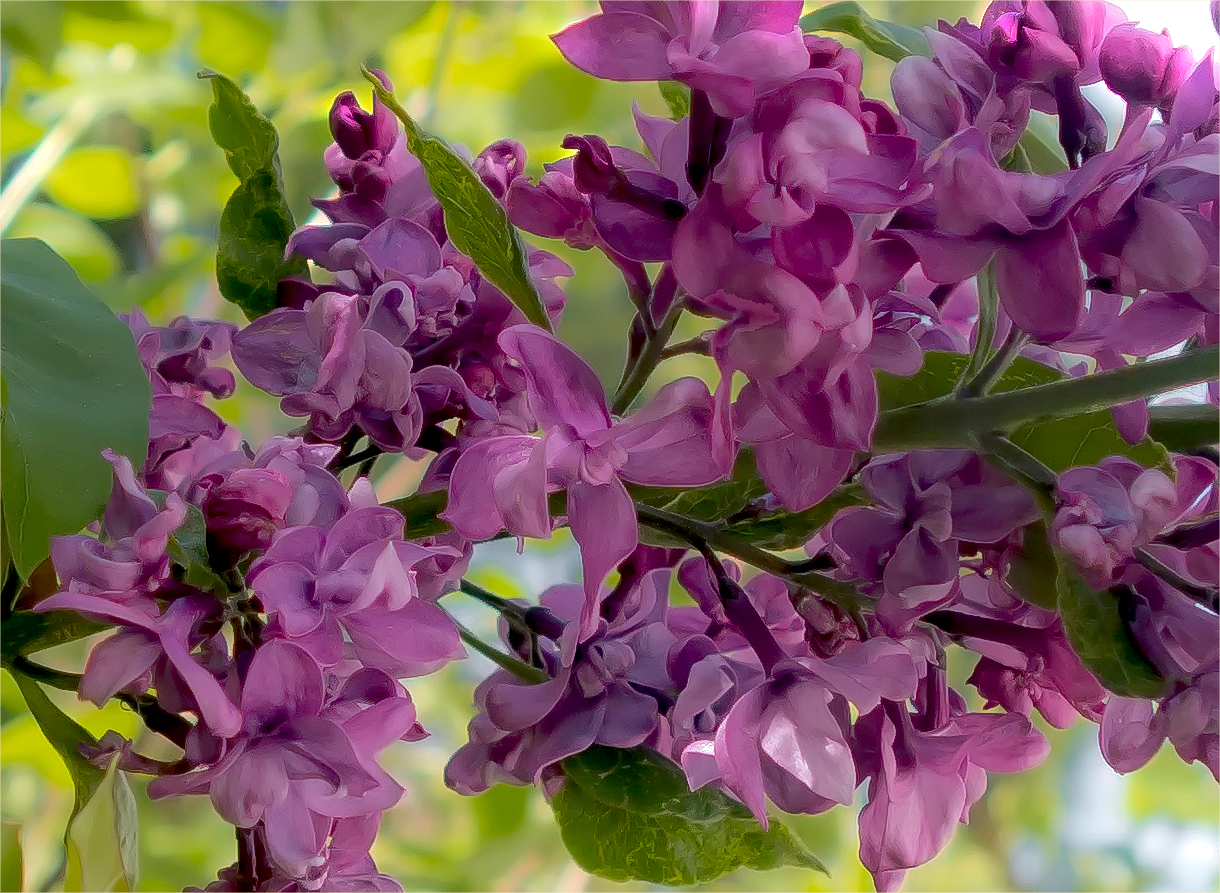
point(102, 100)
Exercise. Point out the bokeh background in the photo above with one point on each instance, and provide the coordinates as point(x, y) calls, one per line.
point(105, 155)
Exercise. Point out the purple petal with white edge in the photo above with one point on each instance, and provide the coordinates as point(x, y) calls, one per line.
point(617, 46)
point(1040, 282)
point(1130, 733)
point(603, 522)
point(563, 388)
point(283, 682)
point(669, 441)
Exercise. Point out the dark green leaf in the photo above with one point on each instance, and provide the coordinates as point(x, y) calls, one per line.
point(256, 222)
point(73, 386)
point(1184, 428)
point(26, 632)
point(719, 502)
point(247, 137)
point(1102, 640)
point(1062, 443)
point(1042, 152)
point(102, 841)
point(475, 221)
point(629, 815)
point(1033, 570)
point(677, 97)
point(188, 548)
point(12, 874)
point(65, 736)
point(421, 511)
point(791, 530)
point(884, 38)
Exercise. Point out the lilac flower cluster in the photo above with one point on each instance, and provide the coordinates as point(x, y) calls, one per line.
point(825, 237)
point(272, 611)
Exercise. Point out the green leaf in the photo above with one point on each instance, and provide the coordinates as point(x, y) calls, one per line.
point(989, 309)
point(421, 511)
point(1061, 443)
point(188, 548)
point(884, 38)
point(629, 815)
point(65, 735)
point(677, 97)
point(1184, 428)
point(791, 530)
point(475, 221)
point(26, 632)
point(102, 841)
point(256, 222)
point(1042, 152)
point(12, 874)
point(74, 386)
point(97, 181)
point(1033, 570)
point(1101, 639)
point(34, 31)
point(721, 501)
point(500, 810)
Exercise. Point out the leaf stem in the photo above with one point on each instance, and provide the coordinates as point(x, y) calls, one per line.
point(648, 361)
point(981, 383)
point(948, 422)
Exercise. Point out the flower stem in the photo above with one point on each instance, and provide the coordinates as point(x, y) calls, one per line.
point(649, 358)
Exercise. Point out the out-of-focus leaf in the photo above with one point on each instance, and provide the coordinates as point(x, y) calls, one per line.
point(33, 29)
point(66, 736)
point(553, 97)
point(475, 221)
point(78, 241)
point(884, 38)
point(500, 810)
point(74, 386)
point(109, 23)
point(791, 530)
point(25, 632)
point(1101, 639)
point(102, 840)
point(12, 874)
point(629, 815)
point(233, 36)
point(1063, 443)
point(677, 97)
point(16, 133)
point(97, 181)
point(256, 222)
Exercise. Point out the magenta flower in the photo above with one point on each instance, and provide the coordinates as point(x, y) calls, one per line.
point(734, 51)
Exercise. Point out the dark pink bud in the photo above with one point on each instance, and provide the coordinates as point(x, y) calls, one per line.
point(1142, 66)
point(499, 164)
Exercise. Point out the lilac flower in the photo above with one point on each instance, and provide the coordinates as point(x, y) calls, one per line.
point(607, 689)
point(1141, 66)
point(351, 589)
point(733, 51)
point(178, 357)
point(501, 483)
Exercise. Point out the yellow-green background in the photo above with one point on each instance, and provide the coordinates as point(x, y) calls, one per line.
point(133, 201)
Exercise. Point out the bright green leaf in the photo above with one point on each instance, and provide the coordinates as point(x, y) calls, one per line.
point(475, 221)
point(97, 181)
point(1101, 638)
point(888, 39)
point(629, 815)
point(12, 875)
point(75, 386)
point(33, 30)
point(677, 97)
point(102, 840)
point(233, 36)
point(65, 735)
point(256, 222)
point(500, 810)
